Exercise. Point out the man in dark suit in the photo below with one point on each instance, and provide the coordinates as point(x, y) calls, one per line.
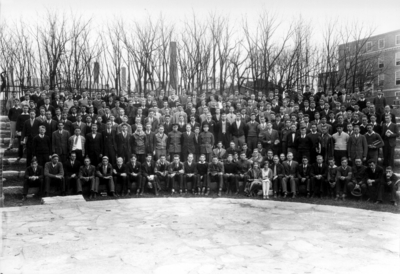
point(304, 174)
point(50, 124)
point(175, 175)
point(67, 124)
point(110, 143)
point(59, 142)
point(120, 176)
point(379, 102)
point(278, 173)
point(87, 174)
point(237, 130)
point(149, 178)
point(223, 132)
point(167, 124)
point(54, 173)
point(94, 146)
point(29, 131)
point(134, 170)
point(123, 143)
point(71, 171)
point(390, 132)
point(290, 168)
point(319, 175)
point(41, 147)
point(80, 125)
point(47, 106)
point(104, 173)
point(33, 177)
point(188, 142)
point(190, 173)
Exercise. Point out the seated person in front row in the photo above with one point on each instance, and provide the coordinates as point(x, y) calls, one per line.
point(215, 173)
point(175, 171)
point(53, 173)
point(71, 170)
point(389, 182)
point(33, 177)
point(134, 174)
point(202, 169)
point(190, 173)
point(104, 175)
point(86, 175)
point(149, 179)
point(277, 174)
point(120, 176)
point(230, 174)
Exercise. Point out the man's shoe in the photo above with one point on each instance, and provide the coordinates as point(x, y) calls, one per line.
point(285, 195)
point(114, 195)
point(23, 198)
point(337, 198)
point(343, 198)
point(180, 191)
point(193, 192)
point(308, 194)
point(219, 193)
point(94, 195)
point(237, 193)
point(394, 203)
point(91, 196)
point(378, 202)
point(294, 196)
point(208, 192)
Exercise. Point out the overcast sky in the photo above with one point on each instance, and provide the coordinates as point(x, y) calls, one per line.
point(383, 14)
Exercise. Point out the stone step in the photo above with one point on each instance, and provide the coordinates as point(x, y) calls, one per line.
point(4, 118)
point(60, 200)
point(13, 174)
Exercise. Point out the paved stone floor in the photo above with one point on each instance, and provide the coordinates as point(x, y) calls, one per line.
point(197, 235)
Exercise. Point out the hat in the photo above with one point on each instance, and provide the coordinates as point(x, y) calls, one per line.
point(54, 155)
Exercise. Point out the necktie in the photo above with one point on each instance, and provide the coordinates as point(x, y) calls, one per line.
point(76, 140)
point(104, 169)
point(274, 170)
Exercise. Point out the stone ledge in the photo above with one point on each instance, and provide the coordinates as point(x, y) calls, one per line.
point(59, 200)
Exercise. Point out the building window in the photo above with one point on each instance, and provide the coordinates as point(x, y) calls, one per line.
point(369, 46)
point(397, 39)
point(381, 79)
point(381, 63)
point(398, 78)
point(397, 59)
point(381, 43)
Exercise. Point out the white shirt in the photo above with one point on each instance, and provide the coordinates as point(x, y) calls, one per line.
point(78, 144)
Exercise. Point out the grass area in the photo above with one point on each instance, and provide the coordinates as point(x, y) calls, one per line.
point(12, 200)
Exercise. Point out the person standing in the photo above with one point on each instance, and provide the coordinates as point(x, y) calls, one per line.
point(340, 139)
point(357, 146)
point(59, 141)
point(29, 131)
point(94, 146)
point(160, 143)
point(374, 142)
point(188, 143)
point(174, 142)
point(122, 142)
point(13, 113)
point(110, 143)
point(390, 132)
point(71, 170)
point(238, 131)
point(41, 147)
point(206, 141)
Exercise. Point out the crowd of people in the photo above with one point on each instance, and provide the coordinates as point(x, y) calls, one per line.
point(324, 143)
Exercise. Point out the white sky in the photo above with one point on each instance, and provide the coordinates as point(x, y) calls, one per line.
point(382, 14)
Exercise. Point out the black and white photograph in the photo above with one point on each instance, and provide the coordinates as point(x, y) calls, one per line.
point(181, 136)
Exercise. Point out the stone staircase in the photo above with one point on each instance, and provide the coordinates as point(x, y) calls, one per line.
point(12, 172)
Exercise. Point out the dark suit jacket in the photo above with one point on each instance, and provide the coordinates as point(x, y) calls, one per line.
point(135, 169)
point(391, 140)
point(148, 169)
point(123, 144)
point(59, 142)
point(290, 170)
point(316, 170)
point(50, 127)
point(100, 173)
point(82, 127)
point(29, 131)
point(238, 132)
point(94, 146)
point(109, 143)
point(303, 173)
point(280, 170)
point(71, 169)
point(29, 172)
point(188, 143)
point(84, 172)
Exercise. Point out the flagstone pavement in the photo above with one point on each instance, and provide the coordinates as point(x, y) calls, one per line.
point(197, 235)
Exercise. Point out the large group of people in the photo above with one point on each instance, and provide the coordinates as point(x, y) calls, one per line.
point(288, 143)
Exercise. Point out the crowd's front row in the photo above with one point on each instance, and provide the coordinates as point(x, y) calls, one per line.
point(233, 174)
